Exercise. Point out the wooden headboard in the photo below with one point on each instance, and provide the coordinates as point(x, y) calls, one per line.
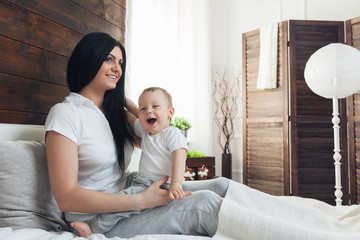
point(36, 41)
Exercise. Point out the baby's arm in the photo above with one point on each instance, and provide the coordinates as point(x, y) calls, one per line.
point(178, 170)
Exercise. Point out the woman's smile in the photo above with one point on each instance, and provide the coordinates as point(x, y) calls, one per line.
point(112, 76)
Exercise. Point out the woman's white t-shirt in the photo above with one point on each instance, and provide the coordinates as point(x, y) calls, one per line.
point(81, 121)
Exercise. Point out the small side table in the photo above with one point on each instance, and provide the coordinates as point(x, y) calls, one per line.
point(208, 162)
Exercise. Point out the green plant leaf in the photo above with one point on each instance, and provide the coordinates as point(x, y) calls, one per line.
point(180, 123)
point(195, 154)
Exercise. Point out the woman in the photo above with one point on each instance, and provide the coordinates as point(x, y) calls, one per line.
point(89, 146)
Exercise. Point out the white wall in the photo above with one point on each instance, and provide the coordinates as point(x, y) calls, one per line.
point(231, 18)
point(168, 45)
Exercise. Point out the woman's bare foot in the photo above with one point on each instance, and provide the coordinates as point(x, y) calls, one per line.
point(83, 229)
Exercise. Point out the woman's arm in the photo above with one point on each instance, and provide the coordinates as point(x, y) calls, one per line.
point(131, 121)
point(132, 107)
point(62, 158)
point(177, 172)
point(132, 115)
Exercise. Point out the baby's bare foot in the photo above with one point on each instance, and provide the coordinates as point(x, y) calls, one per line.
point(83, 229)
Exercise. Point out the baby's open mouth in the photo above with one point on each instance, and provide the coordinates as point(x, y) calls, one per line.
point(151, 120)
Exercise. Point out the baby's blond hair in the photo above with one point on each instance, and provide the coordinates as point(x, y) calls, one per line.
point(166, 93)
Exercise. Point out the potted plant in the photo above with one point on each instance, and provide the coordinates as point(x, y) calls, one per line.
point(182, 124)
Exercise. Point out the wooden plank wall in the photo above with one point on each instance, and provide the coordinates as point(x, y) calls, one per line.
point(353, 39)
point(265, 119)
point(36, 40)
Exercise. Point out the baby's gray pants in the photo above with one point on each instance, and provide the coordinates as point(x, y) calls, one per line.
point(195, 215)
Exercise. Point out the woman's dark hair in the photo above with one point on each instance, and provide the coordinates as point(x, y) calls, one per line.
point(84, 63)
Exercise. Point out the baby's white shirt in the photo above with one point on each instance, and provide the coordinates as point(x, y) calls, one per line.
point(156, 156)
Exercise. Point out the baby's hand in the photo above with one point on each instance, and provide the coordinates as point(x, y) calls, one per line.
point(176, 191)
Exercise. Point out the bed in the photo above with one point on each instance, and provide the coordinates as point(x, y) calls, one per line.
point(28, 210)
point(27, 207)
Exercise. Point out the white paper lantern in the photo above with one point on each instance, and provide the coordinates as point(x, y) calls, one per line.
point(333, 71)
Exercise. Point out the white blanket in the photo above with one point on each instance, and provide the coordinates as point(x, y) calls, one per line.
point(250, 214)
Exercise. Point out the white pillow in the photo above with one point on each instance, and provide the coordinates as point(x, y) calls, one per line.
point(26, 200)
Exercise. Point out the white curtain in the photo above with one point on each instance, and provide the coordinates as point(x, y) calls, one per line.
point(168, 45)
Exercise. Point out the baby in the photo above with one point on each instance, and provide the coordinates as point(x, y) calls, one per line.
point(164, 150)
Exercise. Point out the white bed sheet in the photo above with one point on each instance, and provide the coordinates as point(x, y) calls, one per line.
point(38, 234)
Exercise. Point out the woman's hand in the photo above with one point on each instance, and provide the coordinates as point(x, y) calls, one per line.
point(154, 196)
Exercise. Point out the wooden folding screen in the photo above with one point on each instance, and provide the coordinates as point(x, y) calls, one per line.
point(288, 134)
point(265, 119)
point(312, 138)
point(353, 39)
